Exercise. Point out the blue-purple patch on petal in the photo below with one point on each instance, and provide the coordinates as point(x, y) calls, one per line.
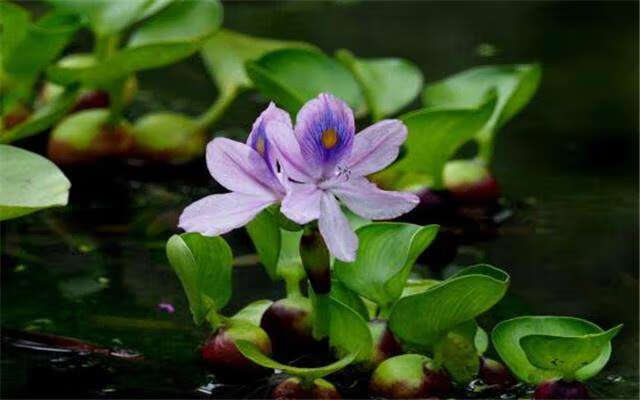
point(325, 129)
point(258, 137)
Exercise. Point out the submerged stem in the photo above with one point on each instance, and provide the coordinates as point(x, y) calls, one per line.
point(215, 111)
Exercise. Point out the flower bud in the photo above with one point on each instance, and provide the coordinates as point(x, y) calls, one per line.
point(293, 388)
point(168, 137)
point(316, 261)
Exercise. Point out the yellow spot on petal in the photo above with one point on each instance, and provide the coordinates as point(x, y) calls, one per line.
point(260, 146)
point(329, 138)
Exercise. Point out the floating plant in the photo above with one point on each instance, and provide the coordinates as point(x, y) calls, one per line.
point(555, 353)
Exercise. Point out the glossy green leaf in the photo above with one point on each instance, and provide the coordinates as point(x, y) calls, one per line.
point(434, 136)
point(27, 48)
point(566, 354)
point(28, 183)
point(278, 248)
point(253, 311)
point(291, 77)
point(203, 265)
point(175, 32)
point(422, 319)
point(388, 84)
point(106, 16)
point(349, 298)
point(252, 352)
point(226, 53)
point(507, 338)
point(514, 84)
point(181, 21)
point(415, 286)
point(349, 332)
point(481, 341)
point(42, 118)
point(386, 253)
point(457, 352)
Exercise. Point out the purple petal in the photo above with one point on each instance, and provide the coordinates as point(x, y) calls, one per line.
point(340, 239)
point(258, 137)
point(325, 130)
point(376, 147)
point(218, 214)
point(288, 153)
point(302, 202)
point(367, 200)
point(241, 169)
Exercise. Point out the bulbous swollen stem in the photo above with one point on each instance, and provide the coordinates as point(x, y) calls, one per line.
point(316, 262)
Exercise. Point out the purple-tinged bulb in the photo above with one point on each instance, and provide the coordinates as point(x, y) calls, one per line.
point(289, 326)
point(409, 376)
point(385, 344)
point(221, 355)
point(495, 373)
point(293, 388)
point(470, 182)
point(561, 389)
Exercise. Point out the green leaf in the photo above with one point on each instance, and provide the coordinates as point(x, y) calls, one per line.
point(29, 183)
point(226, 53)
point(42, 118)
point(576, 335)
point(566, 354)
point(291, 77)
point(388, 84)
point(434, 136)
point(252, 312)
point(422, 319)
point(514, 84)
point(181, 21)
point(386, 253)
point(415, 286)
point(252, 352)
point(264, 232)
point(349, 298)
point(164, 39)
point(106, 17)
point(457, 352)
point(203, 265)
point(349, 332)
point(15, 22)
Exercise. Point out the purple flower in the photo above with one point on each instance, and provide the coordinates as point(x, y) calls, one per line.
point(248, 171)
point(325, 159)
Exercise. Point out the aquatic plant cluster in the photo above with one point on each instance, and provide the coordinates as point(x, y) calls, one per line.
point(313, 197)
point(419, 338)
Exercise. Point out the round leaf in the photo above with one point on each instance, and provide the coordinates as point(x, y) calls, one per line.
point(422, 319)
point(291, 77)
point(514, 85)
point(386, 253)
point(253, 312)
point(349, 332)
point(164, 39)
point(226, 53)
point(434, 137)
point(28, 183)
point(203, 265)
point(388, 84)
point(566, 354)
point(508, 337)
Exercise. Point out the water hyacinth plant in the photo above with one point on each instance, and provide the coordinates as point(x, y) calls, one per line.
point(417, 339)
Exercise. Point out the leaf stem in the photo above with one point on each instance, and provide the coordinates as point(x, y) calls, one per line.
point(292, 281)
point(215, 319)
point(321, 315)
point(215, 111)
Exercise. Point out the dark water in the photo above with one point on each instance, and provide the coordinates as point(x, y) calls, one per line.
point(96, 270)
